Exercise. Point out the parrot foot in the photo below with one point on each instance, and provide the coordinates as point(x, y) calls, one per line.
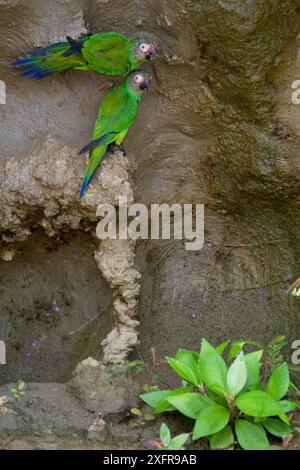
point(114, 148)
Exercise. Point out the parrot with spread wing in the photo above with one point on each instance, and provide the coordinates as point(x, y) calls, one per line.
point(111, 54)
point(117, 113)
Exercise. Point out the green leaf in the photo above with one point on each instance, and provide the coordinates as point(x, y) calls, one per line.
point(212, 368)
point(220, 399)
point(184, 371)
point(165, 435)
point(237, 375)
point(276, 427)
point(284, 418)
point(190, 359)
point(153, 398)
point(212, 419)
point(279, 382)
point(258, 386)
point(253, 364)
point(178, 442)
point(164, 405)
point(220, 349)
point(257, 403)
point(190, 404)
point(258, 419)
point(279, 339)
point(222, 439)
point(21, 385)
point(236, 348)
point(135, 363)
point(287, 405)
point(296, 292)
point(251, 436)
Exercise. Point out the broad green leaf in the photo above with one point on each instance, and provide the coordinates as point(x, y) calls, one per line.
point(184, 371)
point(190, 359)
point(212, 368)
point(284, 418)
point(287, 405)
point(251, 436)
point(220, 349)
point(220, 399)
point(164, 405)
point(253, 364)
point(258, 419)
point(237, 375)
point(279, 382)
point(276, 427)
point(257, 403)
point(222, 439)
point(258, 386)
point(190, 404)
point(165, 435)
point(178, 442)
point(235, 349)
point(153, 398)
point(212, 419)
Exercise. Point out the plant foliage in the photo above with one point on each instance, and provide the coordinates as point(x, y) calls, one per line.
point(231, 402)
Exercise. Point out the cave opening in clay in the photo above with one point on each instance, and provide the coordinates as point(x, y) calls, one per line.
point(55, 307)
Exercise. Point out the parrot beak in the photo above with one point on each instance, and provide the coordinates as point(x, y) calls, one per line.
point(146, 84)
point(152, 52)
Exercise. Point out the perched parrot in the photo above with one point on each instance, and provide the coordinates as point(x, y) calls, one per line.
point(110, 54)
point(117, 112)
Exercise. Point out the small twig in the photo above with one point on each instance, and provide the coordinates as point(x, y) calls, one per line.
point(83, 326)
point(154, 364)
point(167, 252)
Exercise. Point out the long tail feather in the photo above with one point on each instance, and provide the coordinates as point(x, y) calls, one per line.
point(96, 157)
point(47, 61)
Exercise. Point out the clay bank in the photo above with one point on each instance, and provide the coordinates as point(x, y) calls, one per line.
point(218, 128)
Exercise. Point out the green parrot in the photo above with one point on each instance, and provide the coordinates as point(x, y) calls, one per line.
point(109, 53)
point(117, 112)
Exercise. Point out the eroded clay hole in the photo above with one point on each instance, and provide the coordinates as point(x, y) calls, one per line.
point(55, 308)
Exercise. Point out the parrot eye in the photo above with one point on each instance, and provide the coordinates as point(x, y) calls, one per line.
point(137, 78)
point(144, 47)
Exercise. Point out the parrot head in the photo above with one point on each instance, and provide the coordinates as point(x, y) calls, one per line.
point(140, 81)
point(144, 49)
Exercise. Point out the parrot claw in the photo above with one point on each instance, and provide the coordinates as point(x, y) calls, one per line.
point(114, 148)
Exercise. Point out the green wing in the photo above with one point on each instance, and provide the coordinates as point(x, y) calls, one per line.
point(107, 53)
point(117, 112)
